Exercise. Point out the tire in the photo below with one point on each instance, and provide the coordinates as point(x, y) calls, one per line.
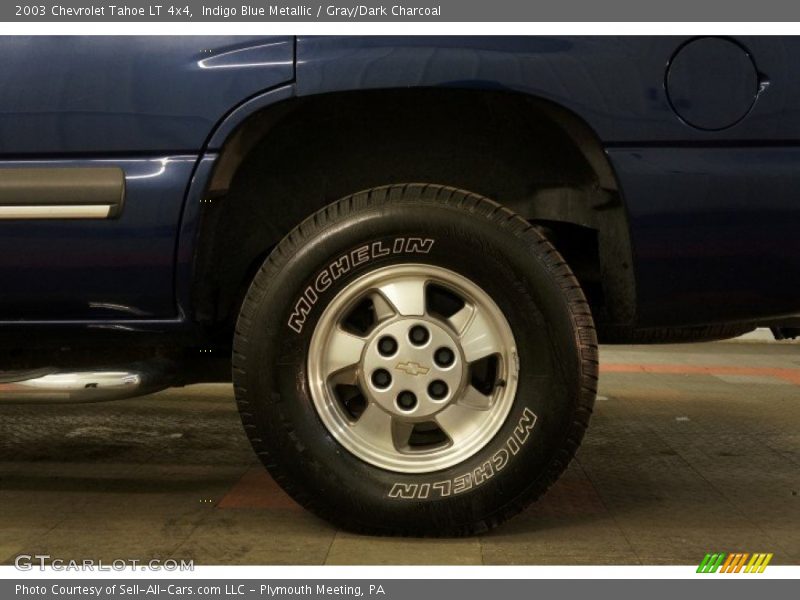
point(537, 384)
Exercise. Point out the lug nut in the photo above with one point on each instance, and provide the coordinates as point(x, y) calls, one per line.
point(406, 400)
point(381, 378)
point(444, 357)
point(418, 335)
point(387, 345)
point(438, 389)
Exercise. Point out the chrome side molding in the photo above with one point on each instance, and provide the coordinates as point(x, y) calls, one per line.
point(78, 211)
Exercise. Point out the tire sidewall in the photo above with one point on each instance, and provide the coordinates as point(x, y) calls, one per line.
point(509, 268)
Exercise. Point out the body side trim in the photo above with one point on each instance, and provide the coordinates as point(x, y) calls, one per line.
point(37, 192)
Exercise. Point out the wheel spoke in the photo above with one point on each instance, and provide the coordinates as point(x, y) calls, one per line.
point(344, 350)
point(378, 428)
point(383, 309)
point(407, 296)
point(460, 319)
point(459, 422)
point(472, 398)
point(478, 339)
point(346, 376)
point(401, 433)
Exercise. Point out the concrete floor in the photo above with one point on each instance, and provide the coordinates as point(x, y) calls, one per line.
point(692, 449)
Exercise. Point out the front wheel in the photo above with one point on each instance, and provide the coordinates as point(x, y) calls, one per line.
point(415, 360)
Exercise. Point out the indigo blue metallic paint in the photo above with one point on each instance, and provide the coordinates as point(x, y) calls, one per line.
point(714, 214)
point(616, 84)
point(716, 231)
point(99, 269)
point(99, 94)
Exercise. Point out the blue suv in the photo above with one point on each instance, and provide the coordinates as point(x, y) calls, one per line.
point(401, 250)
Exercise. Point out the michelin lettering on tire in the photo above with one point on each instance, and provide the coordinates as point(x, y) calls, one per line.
point(477, 476)
point(344, 264)
point(371, 267)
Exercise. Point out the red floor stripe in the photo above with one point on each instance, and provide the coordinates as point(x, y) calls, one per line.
point(256, 489)
point(790, 375)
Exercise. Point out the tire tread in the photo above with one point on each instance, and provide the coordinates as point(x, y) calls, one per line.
point(585, 339)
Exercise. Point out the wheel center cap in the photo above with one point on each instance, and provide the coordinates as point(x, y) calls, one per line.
point(412, 368)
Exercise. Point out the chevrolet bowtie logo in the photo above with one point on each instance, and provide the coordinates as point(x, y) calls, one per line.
point(412, 368)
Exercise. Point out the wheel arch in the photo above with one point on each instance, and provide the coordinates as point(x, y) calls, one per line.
point(285, 159)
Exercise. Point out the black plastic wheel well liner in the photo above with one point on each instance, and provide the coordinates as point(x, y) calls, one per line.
point(291, 159)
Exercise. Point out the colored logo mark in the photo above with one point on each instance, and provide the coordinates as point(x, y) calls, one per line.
point(736, 562)
point(412, 368)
